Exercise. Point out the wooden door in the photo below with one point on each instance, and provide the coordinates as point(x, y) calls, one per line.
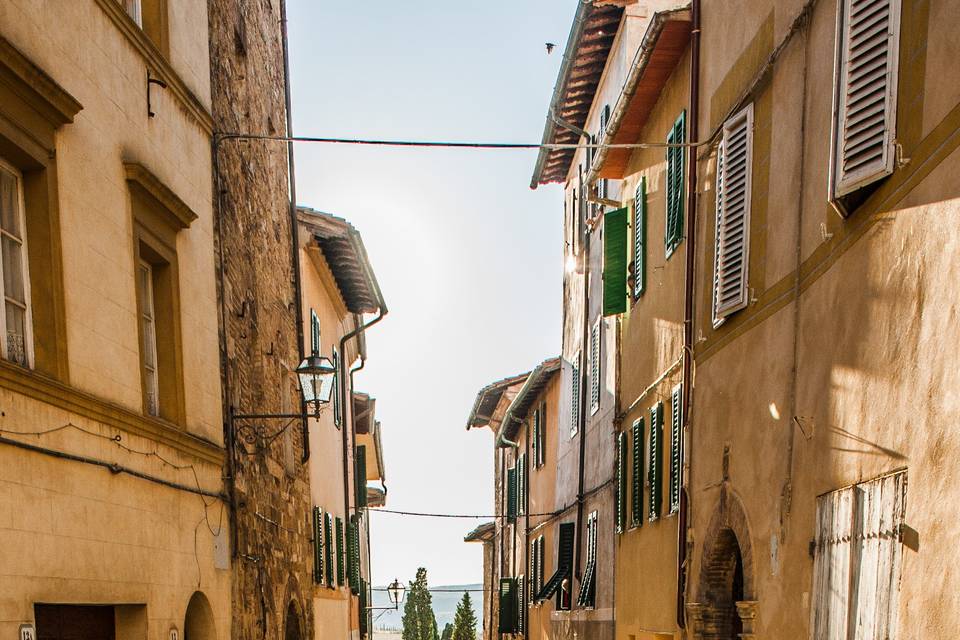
point(74, 622)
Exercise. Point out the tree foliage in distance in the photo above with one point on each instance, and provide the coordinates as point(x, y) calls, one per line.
point(419, 622)
point(465, 620)
point(447, 632)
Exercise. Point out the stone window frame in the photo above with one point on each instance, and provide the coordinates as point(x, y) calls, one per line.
point(33, 107)
point(24, 266)
point(158, 216)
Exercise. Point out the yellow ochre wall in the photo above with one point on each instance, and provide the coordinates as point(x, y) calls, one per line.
point(72, 532)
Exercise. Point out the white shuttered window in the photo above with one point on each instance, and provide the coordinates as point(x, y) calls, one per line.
point(857, 560)
point(15, 311)
point(865, 96)
point(595, 368)
point(732, 241)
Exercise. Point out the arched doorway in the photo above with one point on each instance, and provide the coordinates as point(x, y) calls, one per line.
point(724, 580)
point(198, 623)
point(292, 625)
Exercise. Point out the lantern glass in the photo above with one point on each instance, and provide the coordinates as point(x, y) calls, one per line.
point(316, 375)
point(396, 592)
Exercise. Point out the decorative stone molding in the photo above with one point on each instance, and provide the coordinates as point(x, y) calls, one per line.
point(747, 611)
point(695, 612)
point(180, 215)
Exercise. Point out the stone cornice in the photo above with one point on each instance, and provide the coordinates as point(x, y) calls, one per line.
point(180, 214)
point(36, 87)
point(157, 63)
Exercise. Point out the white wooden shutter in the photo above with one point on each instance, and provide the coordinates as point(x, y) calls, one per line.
point(732, 241)
point(595, 368)
point(865, 96)
point(857, 560)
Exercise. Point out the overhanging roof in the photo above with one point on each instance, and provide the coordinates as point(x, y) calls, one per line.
point(364, 411)
point(520, 407)
point(489, 397)
point(482, 533)
point(584, 58)
point(664, 43)
point(346, 256)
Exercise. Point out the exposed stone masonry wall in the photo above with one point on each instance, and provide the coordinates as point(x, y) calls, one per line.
point(271, 489)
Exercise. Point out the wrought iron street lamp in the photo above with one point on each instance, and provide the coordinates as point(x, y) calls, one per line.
point(395, 592)
point(316, 374)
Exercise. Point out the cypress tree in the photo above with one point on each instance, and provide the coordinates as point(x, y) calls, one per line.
point(419, 622)
point(465, 620)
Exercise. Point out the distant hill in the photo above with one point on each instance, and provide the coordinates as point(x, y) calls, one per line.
point(445, 600)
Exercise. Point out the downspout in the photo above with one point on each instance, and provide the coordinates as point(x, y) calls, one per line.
point(688, 304)
point(343, 374)
point(582, 417)
point(294, 223)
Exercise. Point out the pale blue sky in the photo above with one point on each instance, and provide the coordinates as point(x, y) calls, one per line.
point(469, 258)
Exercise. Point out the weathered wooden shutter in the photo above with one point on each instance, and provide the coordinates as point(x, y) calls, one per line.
point(574, 394)
point(655, 462)
point(328, 545)
point(317, 545)
point(640, 239)
point(522, 484)
point(865, 98)
point(636, 488)
point(674, 184)
point(587, 596)
point(615, 262)
point(508, 605)
point(541, 548)
point(676, 446)
point(621, 482)
point(857, 559)
point(522, 604)
point(535, 438)
point(512, 493)
point(360, 479)
point(353, 555)
point(732, 240)
point(339, 533)
point(595, 367)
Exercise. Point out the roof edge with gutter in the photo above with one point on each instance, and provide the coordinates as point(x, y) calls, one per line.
point(520, 406)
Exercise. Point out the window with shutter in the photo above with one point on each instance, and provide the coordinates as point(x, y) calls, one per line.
point(522, 604)
point(328, 545)
point(353, 555)
point(655, 461)
point(314, 333)
point(317, 545)
point(621, 482)
point(360, 477)
point(674, 184)
point(512, 494)
point(731, 262)
point(522, 484)
point(337, 409)
point(575, 395)
point(640, 239)
point(857, 560)
point(865, 97)
point(595, 367)
point(588, 584)
point(676, 446)
point(555, 585)
point(615, 262)
point(339, 533)
point(636, 494)
point(508, 605)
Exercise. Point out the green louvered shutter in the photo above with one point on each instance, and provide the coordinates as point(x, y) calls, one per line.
point(360, 479)
point(314, 333)
point(328, 545)
point(353, 555)
point(676, 451)
point(637, 484)
point(339, 532)
point(674, 184)
point(512, 494)
point(508, 605)
point(615, 262)
point(640, 239)
point(575, 395)
point(621, 481)
point(655, 462)
point(522, 597)
point(317, 545)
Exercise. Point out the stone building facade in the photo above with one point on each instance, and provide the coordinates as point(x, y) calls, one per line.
point(269, 481)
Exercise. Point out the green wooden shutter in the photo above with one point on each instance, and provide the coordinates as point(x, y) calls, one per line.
point(328, 544)
point(575, 395)
point(535, 444)
point(621, 482)
point(522, 596)
point(676, 452)
point(640, 239)
point(336, 389)
point(615, 262)
point(340, 552)
point(637, 484)
point(512, 494)
point(353, 555)
point(317, 545)
point(360, 479)
point(314, 333)
point(674, 184)
point(655, 462)
point(508, 605)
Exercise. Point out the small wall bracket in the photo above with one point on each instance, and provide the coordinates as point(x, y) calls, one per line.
point(150, 82)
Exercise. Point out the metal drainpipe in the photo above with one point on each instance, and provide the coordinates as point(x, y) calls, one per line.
point(294, 224)
point(582, 418)
point(343, 375)
point(688, 305)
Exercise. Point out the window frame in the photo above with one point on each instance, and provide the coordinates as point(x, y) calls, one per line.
point(576, 392)
point(21, 219)
point(596, 348)
point(147, 314)
point(676, 162)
